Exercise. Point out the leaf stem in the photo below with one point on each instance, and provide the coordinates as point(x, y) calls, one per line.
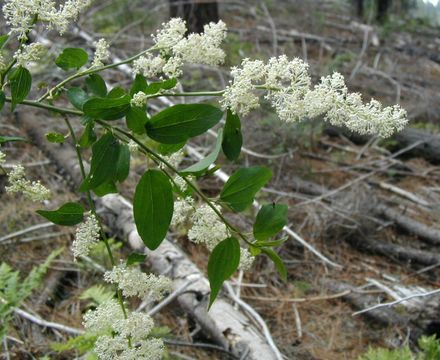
point(155, 155)
point(92, 71)
point(93, 208)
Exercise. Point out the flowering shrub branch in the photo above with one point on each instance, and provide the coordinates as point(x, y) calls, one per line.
point(165, 195)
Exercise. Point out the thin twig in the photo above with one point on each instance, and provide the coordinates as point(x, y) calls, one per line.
point(258, 318)
point(392, 303)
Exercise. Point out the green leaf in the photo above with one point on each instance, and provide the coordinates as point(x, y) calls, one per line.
point(55, 137)
point(105, 188)
point(68, 214)
point(20, 81)
point(168, 149)
point(273, 243)
point(135, 258)
point(223, 262)
point(105, 154)
point(95, 85)
point(123, 164)
point(155, 87)
point(178, 123)
point(3, 40)
point(139, 84)
point(136, 119)
point(232, 137)
point(89, 136)
point(202, 165)
point(116, 92)
point(77, 97)
point(270, 220)
point(72, 58)
point(153, 207)
point(2, 99)
point(107, 108)
point(277, 261)
point(5, 139)
point(239, 191)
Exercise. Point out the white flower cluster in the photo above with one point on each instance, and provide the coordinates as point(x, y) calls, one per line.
point(139, 99)
point(108, 318)
point(133, 147)
point(2, 157)
point(182, 210)
point(20, 14)
point(246, 259)
point(207, 228)
point(174, 159)
point(87, 235)
point(175, 49)
point(240, 95)
point(289, 91)
point(101, 53)
point(149, 66)
point(29, 53)
point(34, 190)
point(133, 282)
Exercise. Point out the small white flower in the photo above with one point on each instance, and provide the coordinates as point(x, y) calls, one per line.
point(87, 235)
point(240, 95)
point(20, 14)
point(183, 208)
point(203, 48)
point(101, 53)
point(29, 53)
point(139, 99)
point(133, 282)
point(103, 318)
point(173, 67)
point(246, 259)
point(207, 228)
point(174, 159)
point(151, 349)
point(148, 65)
point(133, 147)
point(137, 326)
point(170, 34)
point(2, 157)
point(34, 190)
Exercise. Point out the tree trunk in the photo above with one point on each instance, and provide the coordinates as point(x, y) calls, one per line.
point(196, 13)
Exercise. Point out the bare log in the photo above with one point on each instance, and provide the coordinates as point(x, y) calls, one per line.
point(428, 147)
point(222, 319)
point(385, 316)
point(410, 225)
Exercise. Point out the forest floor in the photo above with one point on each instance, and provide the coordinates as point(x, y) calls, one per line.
point(392, 63)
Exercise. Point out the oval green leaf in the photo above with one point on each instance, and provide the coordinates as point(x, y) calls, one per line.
point(223, 262)
point(68, 214)
point(136, 119)
point(239, 191)
point(232, 137)
point(105, 154)
point(123, 164)
point(55, 137)
point(277, 261)
point(77, 97)
point(270, 220)
point(107, 108)
point(139, 84)
point(72, 58)
point(20, 81)
point(95, 85)
point(201, 166)
point(153, 207)
point(180, 122)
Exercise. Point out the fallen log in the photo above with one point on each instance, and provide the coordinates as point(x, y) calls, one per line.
point(223, 319)
point(428, 144)
point(386, 316)
point(424, 232)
